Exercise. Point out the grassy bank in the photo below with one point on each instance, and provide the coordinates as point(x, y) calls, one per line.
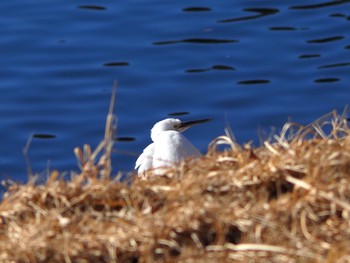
point(285, 201)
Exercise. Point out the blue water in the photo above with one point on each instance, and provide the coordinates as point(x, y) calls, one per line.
point(254, 64)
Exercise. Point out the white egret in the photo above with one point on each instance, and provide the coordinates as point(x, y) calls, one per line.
point(169, 146)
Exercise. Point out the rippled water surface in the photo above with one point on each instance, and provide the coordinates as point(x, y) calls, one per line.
point(255, 64)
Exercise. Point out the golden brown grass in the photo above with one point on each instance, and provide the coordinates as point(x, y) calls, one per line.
point(286, 201)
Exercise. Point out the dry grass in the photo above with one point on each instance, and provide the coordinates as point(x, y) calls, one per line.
point(286, 201)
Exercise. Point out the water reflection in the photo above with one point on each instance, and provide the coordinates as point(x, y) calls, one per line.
point(262, 12)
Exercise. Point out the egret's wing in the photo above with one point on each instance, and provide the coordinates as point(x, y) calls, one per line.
point(187, 149)
point(172, 147)
point(145, 160)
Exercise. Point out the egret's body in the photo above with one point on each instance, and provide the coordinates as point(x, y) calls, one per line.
point(169, 146)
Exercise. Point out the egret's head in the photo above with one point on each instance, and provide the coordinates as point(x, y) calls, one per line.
point(172, 125)
point(165, 125)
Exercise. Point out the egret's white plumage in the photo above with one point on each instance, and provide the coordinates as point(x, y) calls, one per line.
point(169, 146)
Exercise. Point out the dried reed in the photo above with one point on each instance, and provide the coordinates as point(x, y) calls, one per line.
point(286, 201)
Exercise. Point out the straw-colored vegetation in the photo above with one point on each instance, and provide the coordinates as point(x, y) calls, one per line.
point(286, 201)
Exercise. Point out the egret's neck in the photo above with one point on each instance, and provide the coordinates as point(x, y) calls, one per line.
point(155, 133)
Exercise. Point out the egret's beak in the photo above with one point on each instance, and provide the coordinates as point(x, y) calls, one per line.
point(187, 124)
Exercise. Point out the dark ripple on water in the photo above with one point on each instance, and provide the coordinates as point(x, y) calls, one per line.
point(196, 9)
point(178, 113)
point(339, 15)
point(215, 67)
point(124, 139)
point(325, 40)
point(262, 12)
point(283, 28)
point(93, 7)
point(336, 65)
point(326, 80)
point(254, 82)
point(196, 41)
point(320, 5)
point(287, 28)
point(304, 56)
point(116, 64)
point(43, 136)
